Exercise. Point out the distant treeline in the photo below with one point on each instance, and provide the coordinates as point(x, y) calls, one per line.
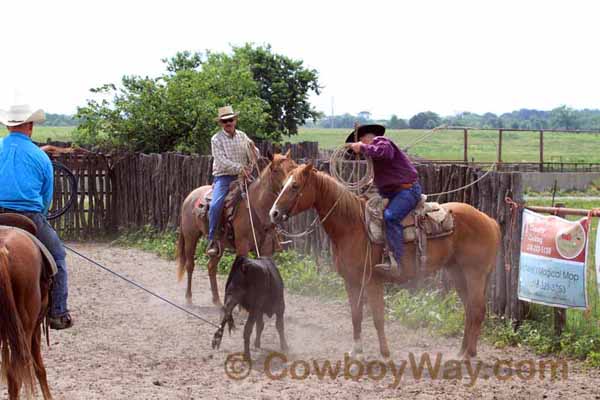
point(60, 120)
point(559, 118)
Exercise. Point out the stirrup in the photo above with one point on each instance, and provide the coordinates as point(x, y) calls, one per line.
point(213, 249)
point(391, 267)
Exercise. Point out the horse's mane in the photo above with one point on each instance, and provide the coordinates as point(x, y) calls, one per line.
point(349, 205)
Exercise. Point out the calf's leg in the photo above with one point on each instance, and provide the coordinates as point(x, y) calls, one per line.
point(247, 332)
point(260, 324)
point(280, 330)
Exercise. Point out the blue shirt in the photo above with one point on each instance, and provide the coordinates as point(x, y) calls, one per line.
point(26, 175)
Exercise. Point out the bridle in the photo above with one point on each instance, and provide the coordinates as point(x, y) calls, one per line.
point(313, 225)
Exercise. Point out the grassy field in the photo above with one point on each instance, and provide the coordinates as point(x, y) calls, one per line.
point(482, 145)
point(442, 145)
point(42, 133)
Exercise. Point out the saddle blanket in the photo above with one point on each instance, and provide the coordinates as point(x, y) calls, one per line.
point(433, 218)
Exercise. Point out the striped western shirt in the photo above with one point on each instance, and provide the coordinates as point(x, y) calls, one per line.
point(230, 152)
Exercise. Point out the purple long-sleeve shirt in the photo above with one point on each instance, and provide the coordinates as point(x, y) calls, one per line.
point(391, 166)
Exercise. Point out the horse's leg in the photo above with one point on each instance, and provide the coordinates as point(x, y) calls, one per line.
point(461, 288)
point(377, 305)
point(189, 253)
point(260, 324)
point(248, 332)
point(357, 316)
point(14, 383)
point(476, 285)
point(213, 264)
point(40, 370)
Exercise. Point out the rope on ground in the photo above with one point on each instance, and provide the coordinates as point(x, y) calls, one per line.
point(141, 287)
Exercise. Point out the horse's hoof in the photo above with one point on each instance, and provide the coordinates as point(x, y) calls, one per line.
point(356, 355)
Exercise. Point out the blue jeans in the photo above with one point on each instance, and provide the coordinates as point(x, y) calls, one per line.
point(48, 236)
point(220, 190)
point(400, 205)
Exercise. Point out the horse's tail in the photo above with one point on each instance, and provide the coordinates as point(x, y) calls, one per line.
point(15, 350)
point(180, 256)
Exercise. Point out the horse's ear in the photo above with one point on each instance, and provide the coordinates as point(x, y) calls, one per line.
point(269, 155)
point(288, 153)
point(308, 168)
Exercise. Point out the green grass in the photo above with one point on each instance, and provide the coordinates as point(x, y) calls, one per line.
point(482, 145)
point(42, 133)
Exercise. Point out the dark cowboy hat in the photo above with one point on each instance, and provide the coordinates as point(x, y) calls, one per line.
point(375, 129)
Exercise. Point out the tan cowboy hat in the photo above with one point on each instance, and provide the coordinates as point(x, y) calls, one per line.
point(226, 113)
point(21, 114)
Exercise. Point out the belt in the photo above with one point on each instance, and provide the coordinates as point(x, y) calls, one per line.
point(10, 211)
point(397, 187)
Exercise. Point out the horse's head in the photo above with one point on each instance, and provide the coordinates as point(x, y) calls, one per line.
point(279, 167)
point(298, 194)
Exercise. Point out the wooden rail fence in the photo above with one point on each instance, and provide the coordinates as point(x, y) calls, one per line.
point(135, 190)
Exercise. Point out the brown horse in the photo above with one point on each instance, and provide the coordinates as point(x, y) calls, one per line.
point(23, 306)
point(469, 254)
point(262, 193)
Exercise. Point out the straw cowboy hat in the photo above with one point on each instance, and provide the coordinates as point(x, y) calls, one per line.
point(375, 129)
point(226, 113)
point(21, 114)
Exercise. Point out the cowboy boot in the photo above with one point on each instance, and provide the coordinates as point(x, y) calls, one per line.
point(213, 249)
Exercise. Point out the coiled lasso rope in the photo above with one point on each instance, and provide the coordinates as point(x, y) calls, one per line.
point(359, 182)
point(354, 181)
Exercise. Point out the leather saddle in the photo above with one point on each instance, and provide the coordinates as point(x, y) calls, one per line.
point(13, 221)
point(235, 194)
point(428, 219)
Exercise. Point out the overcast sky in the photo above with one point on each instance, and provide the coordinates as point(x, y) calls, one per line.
point(386, 57)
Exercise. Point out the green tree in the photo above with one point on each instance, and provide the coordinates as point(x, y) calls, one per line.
point(284, 84)
point(564, 117)
point(397, 123)
point(175, 110)
point(425, 120)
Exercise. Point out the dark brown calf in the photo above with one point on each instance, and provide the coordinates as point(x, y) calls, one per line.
point(257, 286)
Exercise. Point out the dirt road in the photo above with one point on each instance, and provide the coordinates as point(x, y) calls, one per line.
point(129, 345)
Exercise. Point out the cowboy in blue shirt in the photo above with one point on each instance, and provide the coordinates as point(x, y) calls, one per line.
point(26, 187)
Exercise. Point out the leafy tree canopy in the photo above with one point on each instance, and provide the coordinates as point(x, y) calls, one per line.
point(176, 111)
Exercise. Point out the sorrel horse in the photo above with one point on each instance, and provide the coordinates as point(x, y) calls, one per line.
point(262, 193)
point(469, 254)
point(23, 306)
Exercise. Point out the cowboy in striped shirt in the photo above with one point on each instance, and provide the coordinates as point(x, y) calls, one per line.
point(231, 151)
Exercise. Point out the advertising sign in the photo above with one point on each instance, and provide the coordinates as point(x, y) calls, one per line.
point(552, 263)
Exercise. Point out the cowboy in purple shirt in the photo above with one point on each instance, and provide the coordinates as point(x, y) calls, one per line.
point(396, 179)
